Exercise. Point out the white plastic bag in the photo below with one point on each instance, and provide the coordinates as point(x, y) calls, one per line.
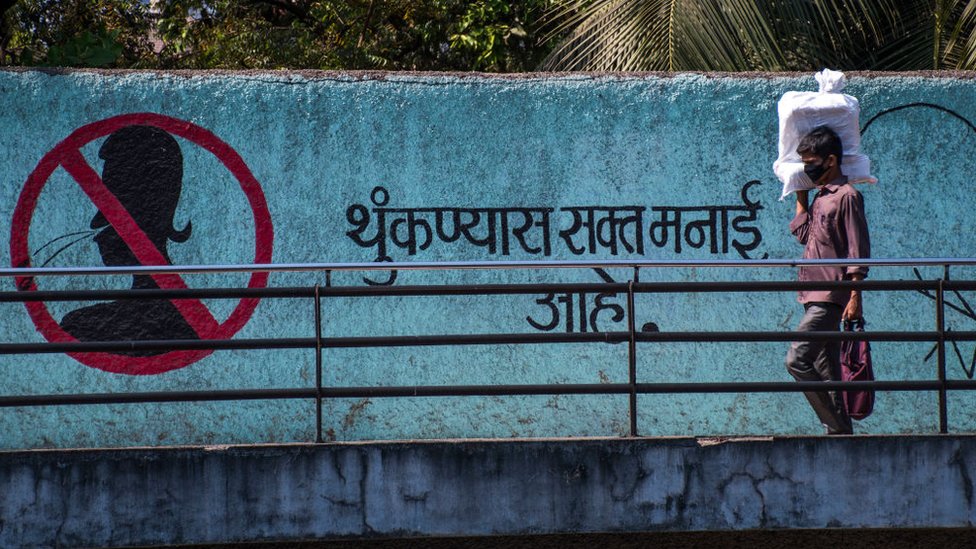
point(801, 112)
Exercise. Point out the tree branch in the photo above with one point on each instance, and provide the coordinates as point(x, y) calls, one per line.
point(369, 15)
point(5, 35)
point(298, 11)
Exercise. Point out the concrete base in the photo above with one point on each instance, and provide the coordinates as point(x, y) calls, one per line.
point(471, 488)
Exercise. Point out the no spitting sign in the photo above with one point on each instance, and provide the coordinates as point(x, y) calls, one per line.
point(119, 213)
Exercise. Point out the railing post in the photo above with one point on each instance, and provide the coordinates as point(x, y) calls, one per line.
point(940, 329)
point(632, 358)
point(318, 363)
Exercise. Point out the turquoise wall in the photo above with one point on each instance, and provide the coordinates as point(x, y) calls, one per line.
point(328, 155)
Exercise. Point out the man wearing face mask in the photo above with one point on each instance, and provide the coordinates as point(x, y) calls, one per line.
point(833, 226)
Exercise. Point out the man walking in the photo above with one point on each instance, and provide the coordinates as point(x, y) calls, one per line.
point(832, 227)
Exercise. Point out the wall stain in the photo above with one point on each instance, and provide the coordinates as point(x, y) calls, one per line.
point(354, 412)
point(967, 481)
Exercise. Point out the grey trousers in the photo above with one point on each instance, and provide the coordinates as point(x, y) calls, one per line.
point(820, 361)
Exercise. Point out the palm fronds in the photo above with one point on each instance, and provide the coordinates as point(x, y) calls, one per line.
point(767, 35)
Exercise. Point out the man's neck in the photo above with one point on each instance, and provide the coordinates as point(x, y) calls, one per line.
point(833, 179)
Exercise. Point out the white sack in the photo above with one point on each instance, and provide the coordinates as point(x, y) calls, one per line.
point(801, 112)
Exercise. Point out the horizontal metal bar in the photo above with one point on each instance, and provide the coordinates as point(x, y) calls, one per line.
point(157, 345)
point(309, 292)
point(475, 390)
point(618, 337)
point(786, 285)
point(159, 396)
point(473, 289)
point(474, 339)
point(802, 336)
point(643, 287)
point(308, 343)
point(643, 388)
point(686, 337)
point(794, 386)
point(190, 293)
point(959, 284)
point(467, 339)
point(478, 265)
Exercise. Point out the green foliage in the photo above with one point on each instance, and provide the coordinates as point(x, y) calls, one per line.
point(492, 32)
point(80, 33)
point(492, 35)
point(767, 35)
point(99, 49)
point(390, 35)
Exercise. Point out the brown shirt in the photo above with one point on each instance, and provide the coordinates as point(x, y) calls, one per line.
point(834, 227)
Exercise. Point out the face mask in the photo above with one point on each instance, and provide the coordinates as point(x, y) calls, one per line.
point(814, 172)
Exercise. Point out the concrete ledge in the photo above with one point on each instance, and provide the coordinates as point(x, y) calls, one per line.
point(150, 496)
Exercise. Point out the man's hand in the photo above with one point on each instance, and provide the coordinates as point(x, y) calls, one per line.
point(802, 198)
point(854, 311)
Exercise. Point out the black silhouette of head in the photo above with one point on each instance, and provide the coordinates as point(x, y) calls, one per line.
point(144, 170)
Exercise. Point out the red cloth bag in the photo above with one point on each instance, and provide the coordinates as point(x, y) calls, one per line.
point(855, 365)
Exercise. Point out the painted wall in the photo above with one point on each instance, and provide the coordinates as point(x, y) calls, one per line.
point(320, 167)
point(174, 496)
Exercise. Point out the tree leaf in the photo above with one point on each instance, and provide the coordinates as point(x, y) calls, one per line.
point(768, 35)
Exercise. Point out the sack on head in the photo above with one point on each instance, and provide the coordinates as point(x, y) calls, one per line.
point(801, 112)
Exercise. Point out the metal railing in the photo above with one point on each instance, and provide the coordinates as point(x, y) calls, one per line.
point(319, 344)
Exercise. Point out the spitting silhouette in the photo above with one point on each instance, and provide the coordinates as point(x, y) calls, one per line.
point(144, 170)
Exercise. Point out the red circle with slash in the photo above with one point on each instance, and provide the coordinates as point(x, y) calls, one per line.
point(67, 154)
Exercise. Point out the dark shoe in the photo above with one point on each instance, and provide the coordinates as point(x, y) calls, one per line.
point(849, 430)
point(843, 427)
